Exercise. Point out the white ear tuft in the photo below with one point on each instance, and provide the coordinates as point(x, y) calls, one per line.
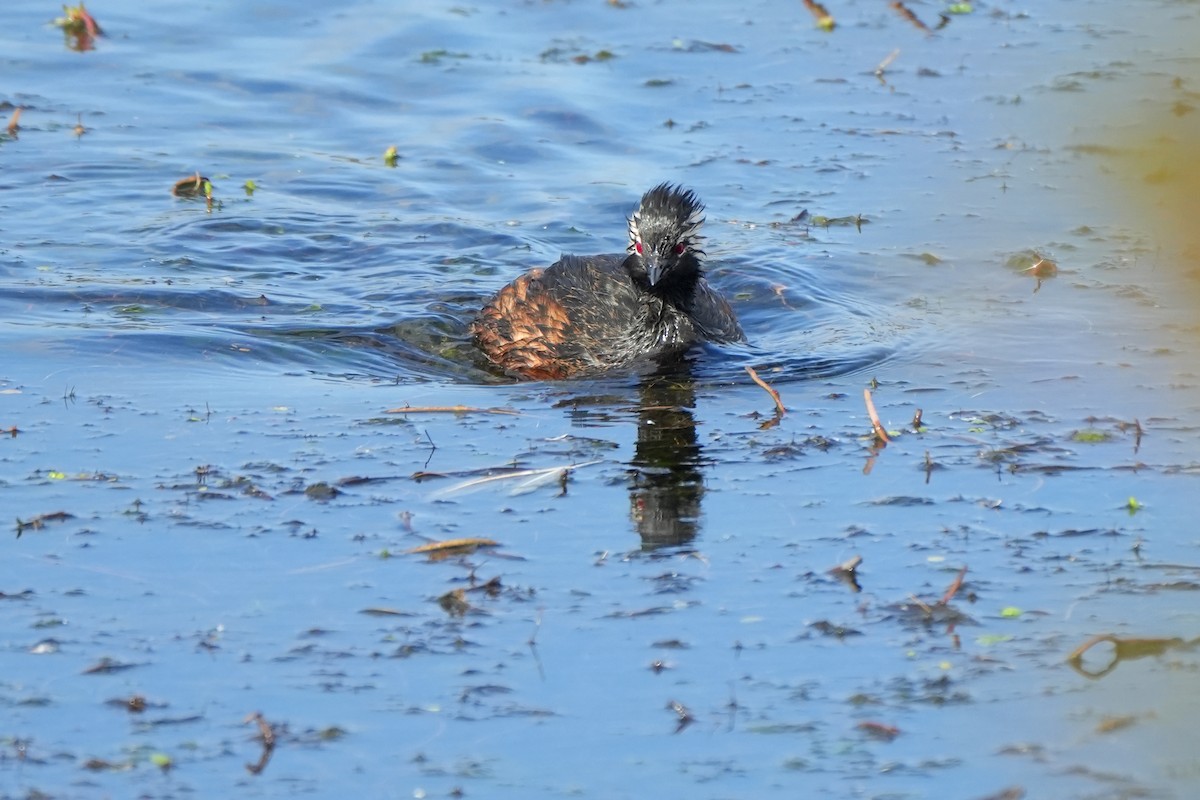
point(635, 235)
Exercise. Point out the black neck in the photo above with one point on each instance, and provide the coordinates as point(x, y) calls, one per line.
point(676, 287)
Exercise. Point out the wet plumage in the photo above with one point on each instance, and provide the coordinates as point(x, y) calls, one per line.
point(588, 314)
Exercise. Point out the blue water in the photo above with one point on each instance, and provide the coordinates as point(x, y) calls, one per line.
point(184, 382)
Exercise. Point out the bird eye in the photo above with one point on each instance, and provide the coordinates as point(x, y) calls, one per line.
point(679, 248)
point(638, 246)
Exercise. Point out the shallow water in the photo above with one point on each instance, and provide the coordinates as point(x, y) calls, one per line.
point(207, 397)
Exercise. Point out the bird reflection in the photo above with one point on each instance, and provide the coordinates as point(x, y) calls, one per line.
point(665, 480)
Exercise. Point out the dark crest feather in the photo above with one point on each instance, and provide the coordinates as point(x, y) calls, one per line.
point(668, 207)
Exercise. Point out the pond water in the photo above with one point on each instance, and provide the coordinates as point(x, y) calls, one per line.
point(216, 491)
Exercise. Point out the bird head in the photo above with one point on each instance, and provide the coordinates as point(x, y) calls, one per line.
point(664, 238)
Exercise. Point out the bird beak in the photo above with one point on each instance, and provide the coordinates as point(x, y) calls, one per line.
point(654, 267)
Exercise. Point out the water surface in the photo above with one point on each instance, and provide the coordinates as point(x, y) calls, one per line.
point(215, 506)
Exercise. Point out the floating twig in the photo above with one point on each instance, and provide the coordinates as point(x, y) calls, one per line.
point(779, 408)
point(905, 12)
point(887, 62)
point(880, 433)
point(954, 587)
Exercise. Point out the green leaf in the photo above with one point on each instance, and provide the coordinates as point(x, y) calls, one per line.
point(987, 640)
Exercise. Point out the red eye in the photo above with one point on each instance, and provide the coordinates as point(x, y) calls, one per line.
point(679, 248)
point(638, 246)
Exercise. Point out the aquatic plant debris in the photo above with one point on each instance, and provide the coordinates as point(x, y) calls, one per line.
point(79, 27)
point(373, 275)
point(454, 602)
point(824, 19)
point(939, 611)
point(195, 186)
point(451, 410)
point(77, 18)
point(1090, 436)
point(683, 715)
point(134, 704)
point(39, 522)
point(107, 666)
point(954, 586)
point(906, 13)
point(523, 473)
point(779, 407)
point(266, 735)
point(879, 730)
point(856, 221)
point(452, 547)
point(1126, 650)
point(887, 62)
point(847, 573)
point(601, 55)
point(880, 433)
point(376, 611)
point(1042, 268)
